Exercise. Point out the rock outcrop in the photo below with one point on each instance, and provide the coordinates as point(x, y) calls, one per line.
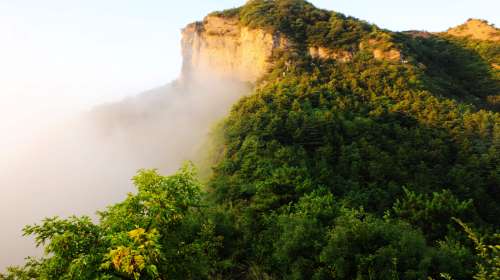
point(377, 48)
point(326, 53)
point(222, 47)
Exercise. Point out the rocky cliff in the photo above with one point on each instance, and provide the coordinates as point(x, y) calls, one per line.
point(222, 47)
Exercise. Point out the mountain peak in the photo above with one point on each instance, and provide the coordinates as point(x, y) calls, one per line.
point(476, 29)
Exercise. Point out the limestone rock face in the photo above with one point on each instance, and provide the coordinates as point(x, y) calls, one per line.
point(381, 50)
point(222, 47)
point(325, 53)
point(377, 48)
point(391, 54)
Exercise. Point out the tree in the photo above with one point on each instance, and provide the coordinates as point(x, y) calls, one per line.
point(150, 235)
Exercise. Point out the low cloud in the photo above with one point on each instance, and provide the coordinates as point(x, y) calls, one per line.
point(86, 163)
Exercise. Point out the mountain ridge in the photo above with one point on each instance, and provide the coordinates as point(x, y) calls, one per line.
point(477, 29)
point(250, 61)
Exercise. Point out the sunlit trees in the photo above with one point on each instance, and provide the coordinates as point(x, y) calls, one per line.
point(150, 235)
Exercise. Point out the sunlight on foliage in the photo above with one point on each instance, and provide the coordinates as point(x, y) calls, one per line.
point(142, 253)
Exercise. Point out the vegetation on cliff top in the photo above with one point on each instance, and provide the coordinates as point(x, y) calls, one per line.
point(302, 22)
point(364, 169)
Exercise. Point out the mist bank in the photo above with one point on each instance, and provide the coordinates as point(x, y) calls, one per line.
point(84, 163)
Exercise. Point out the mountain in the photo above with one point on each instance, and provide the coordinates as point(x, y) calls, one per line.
point(360, 153)
point(476, 29)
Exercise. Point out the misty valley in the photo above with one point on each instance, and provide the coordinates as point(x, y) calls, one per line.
point(79, 166)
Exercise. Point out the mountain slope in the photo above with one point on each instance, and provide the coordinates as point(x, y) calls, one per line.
point(387, 122)
point(476, 29)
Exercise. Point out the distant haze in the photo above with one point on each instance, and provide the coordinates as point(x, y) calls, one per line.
point(85, 163)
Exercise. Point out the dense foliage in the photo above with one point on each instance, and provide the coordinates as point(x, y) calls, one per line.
point(156, 233)
point(361, 169)
point(303, 23)
point(458, 68)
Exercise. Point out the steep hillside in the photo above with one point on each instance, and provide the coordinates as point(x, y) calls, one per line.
point(360, 154)
point(460, 66)
point(476, 29)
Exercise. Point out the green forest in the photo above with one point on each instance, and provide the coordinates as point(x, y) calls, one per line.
point(362, 169)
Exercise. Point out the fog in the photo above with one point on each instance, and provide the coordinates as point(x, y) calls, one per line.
point(84, 162)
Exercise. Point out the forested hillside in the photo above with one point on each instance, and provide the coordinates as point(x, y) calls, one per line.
point(362, 154)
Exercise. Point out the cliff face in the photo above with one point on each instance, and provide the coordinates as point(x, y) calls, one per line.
point(222, 47)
